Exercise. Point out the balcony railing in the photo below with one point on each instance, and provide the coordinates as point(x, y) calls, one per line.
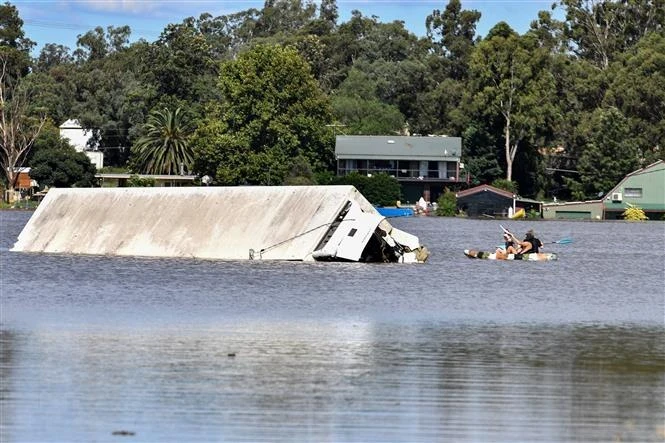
point(407, 174)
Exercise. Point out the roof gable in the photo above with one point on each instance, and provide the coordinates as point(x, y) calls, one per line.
point(71, 124)
point(653, 167)
point(484, 188)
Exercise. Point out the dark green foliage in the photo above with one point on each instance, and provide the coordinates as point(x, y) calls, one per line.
point(300, 173)
point(272, 112)
point(140, 182)
point(15, 47)
point(506, 185)
point(261, 85)
point(380, 189)
point(62, 167)
point(447, 204)
point(610, 152)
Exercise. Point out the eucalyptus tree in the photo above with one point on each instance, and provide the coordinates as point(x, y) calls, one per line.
point(113, 99)
point(181, 63)
point(511, 81)
point(602, 29)
point(637, 88)
point(609, 152)
point(53, 55)
point(165, 147)
point(19, 124)
point(98, 43)
point(15, 47)
point(357, 106)
point(452, 34)
point(272, 111)
point(284, 16)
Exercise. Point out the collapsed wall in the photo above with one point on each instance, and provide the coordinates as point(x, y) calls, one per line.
point(230, 223)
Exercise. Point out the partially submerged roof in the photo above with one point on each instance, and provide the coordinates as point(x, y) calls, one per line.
point(495, 190)
point(485, 188)
point(231, 223)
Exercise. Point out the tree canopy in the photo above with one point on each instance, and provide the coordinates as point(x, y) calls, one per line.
point(272, 111)
point(260, 86)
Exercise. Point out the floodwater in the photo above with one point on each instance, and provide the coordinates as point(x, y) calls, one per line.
point(108, 349)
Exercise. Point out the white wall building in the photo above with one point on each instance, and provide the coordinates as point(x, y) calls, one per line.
point(78, 137)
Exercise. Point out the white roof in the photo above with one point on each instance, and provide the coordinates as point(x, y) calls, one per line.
point(71, 124)
point(278, 223)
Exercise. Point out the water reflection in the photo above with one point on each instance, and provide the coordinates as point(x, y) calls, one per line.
point(336, 381)
point(455, 350)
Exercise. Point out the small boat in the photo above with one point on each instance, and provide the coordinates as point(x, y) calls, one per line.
point(539, 256)
point(520, 213)
point(394, 212)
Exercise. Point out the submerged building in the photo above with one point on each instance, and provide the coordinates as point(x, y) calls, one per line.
point(228, 223)
point(643, 188)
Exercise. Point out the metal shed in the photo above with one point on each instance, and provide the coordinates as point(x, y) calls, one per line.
point(486, 200)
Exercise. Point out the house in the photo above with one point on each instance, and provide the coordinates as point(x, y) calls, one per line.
point(643, 188)
point(423, 166)
point(79, 138)
point(486, 200)
point(25, 186)
point(580, 210)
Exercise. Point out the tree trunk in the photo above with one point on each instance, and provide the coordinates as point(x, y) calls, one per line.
point(18, 131)
point(509, 158)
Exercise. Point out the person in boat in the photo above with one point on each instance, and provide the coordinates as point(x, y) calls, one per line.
point(509, 247)
point(530, 244)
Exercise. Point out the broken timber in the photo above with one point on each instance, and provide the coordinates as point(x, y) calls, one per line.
point(228, 223)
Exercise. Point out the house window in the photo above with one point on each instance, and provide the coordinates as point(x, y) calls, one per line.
point(632, 192)
point(451, 170)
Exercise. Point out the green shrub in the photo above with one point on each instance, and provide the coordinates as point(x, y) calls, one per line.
point(506, 185)
point(447, 204)
point(380, 189)
point(634, 213)
point(138, 182)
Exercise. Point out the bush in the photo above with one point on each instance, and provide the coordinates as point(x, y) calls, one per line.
point(380, 189)
point(633, 213)
point(447, 204)
point(506, 185)
point(138, 182)
point(62, 168)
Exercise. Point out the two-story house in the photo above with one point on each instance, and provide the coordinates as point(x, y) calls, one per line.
point(79, 138)
point(423, 166)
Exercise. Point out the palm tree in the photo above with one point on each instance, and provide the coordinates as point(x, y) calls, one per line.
point(164, 149)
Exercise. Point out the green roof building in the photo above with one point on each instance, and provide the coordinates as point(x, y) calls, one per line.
point(644, 188)
point(423, 166)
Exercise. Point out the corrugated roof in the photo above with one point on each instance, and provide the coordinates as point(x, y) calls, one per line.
point(399, 147)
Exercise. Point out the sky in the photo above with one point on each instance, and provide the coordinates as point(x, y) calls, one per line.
point(61, 21)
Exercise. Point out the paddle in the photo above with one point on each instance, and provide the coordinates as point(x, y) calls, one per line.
point(563, 241)
point(517, 240)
